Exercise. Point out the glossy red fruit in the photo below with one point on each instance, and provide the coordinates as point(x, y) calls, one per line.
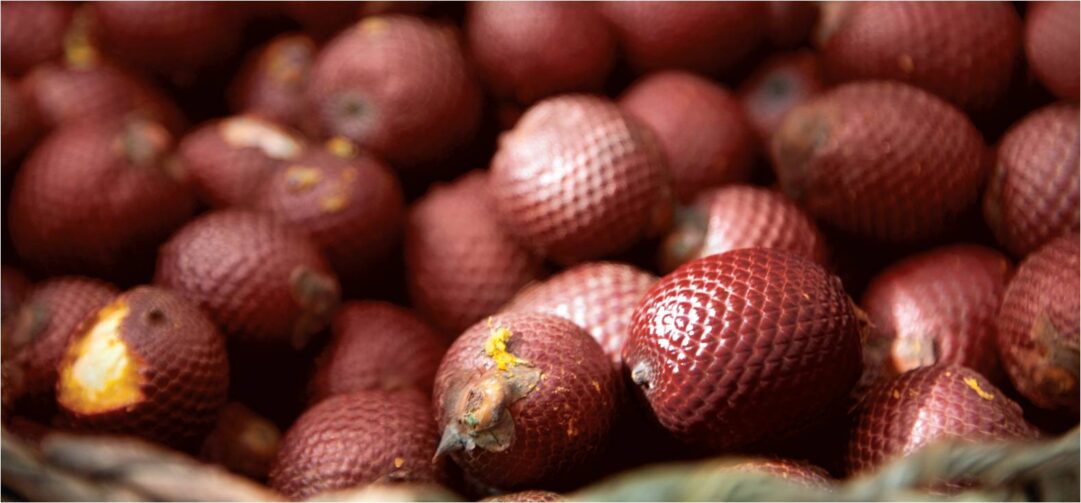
point(964, 52)
point(377, 345)
point(242, 441)
point(14, 288)
point(789, 24)
point(460, 263)
point(272, 81)
point(525, 400)
point(1032, 194)
point(1038, 325)
point(741, 216)
point(20, 124)
point(368, 81)
point(926, 404)
point(526, 51)
point(32, 33)
point(531, 495)
point(600, 297)
point(732, 349)
point(700, 125)
point(95, 198)
point(1051, 46)
point(704, 37)
point(358, 438)
point(256, 278)
point(149, 364)
point(880, 159)
point(778, 85)
point(578, 179)
point(793, 471)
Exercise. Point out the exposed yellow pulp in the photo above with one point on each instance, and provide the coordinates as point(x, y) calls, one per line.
point(99, 373)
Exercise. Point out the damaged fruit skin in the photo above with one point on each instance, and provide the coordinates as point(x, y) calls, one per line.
point(272, 81)
point(778, 85)
point(1051, 46)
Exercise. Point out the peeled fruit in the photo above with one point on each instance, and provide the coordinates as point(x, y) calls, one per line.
point(272, 81)
point(778, 85)
point(32, 33)
point(1051, 46)
point(242, 441)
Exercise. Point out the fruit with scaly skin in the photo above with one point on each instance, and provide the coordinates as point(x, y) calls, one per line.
point(32, 33)
point(14, 288)
point(1051, 46)
point(21, 124)
point(271, 83)
point(790, 470)
point(242, 441)
point(778, 85)
point(531, 495)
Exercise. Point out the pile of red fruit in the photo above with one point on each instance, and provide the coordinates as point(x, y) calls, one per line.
point(513, 248)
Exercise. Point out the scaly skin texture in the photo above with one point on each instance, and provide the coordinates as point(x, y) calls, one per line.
point(32, 33)
point(526, 51)
point(1052, 47)
point(256, 278)
point(531, 495)
point(790, 470)
point(1038, 326)
point(461, 265)
point(578, 179)
point(183, 371)
point(271, 83)
point(377, 345)
point(242, 441)
point(1032, 193)
point(354, 439)
point(779, 84)
point(882, 160)
point(789, 24)
point(541, 418)
point(20, 124)
point(14, 288)
point(905, 413)
point(964, 52)
point(368, 81)
point(733, 349)
point(699, 124)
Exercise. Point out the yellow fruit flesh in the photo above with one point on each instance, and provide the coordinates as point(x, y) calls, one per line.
point(99, 373)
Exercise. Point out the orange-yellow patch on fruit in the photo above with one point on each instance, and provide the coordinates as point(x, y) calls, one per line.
point(975, 385)
point(333, 203)
point(398, 462)
point(341, 147)
point(496, 347)
point(272, 140)
point(99, 372)
point(301, 178)
point(373, 25)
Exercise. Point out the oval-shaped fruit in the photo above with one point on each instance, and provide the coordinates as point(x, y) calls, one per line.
point(256, 278)
point(272, 81)
point(900, 415)
point(530, 495)
point(242, 441)
point(377, 345)
point(358, 438)
point(1032, 195)
point(790, 470)
point(700, 126)
point(32, 33)
point(883, 160)
point(789, 24)
point(741, 216)
point(526, 51)
point(778, 85)
point(1051, 46)
point(735, 348)
point(525, 400)
point(150, 364)
point(398, 86)
point(461, 265)
point(98, 198)
point(20, 124)
point(964, 52)
point(1039, 323)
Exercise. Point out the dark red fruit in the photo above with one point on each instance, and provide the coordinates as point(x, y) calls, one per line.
point(256, 278)
point(789, 24)
point(1052, 47)
point(778, 85)
point(964, 52)
point(732, 349)
point(533, 495)
point(1032, 195)
point(20, 124)
point(354, 439)
point(880, 159)
point(792, 471)
point(32, 33)
point(398, 86)
point(1038, 326)
point(272, 81)
point(525, 400)
point(699, 124)
point(242, 441)
point(14, 288)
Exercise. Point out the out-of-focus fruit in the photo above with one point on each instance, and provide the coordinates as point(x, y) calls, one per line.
point(19, 126)
point(883, 160)
point(527, 51)
point(461, 265)
point(1052, 47)
point(789, 24)
point(1038, 325)
point(700, 125)
point(779, 84)
point(532, 495)
point(398, 86)
point(14, 288)
point(732, 349)
point(256, 278)
point(1032, 195)
point(242, 441)
point(362, 437)
point(95, 198)
point(149, 364)
point(790, 470)
point(964, 52)
point(32, 33)
point(524, 400)
point(741, 216)
point(322, 19)
point(272, 81)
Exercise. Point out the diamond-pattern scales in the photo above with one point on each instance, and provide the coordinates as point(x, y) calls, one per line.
point(743, 216)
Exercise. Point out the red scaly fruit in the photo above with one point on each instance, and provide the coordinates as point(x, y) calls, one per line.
point(1038, 326)
point(964, 52)
point(32, 33)
point(1032, 195)
point(700, 125)
point(461, 265)
point(525, 400)
point(242, 441)
point(368, 81)
point(1052, 47)
point(781, 83)
point(703, 37)
point(95, 198)
point(529, 495)
point(258, 279)
point(272, 81)
point(358, 438)
point(789, 24)
point(14, 288)
point(793, 471)
point(741, 216)
point(883, 160)
point(377, 345)
point(20, 124)
point(732, 349)
point(527, 51)
point(149, 364)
